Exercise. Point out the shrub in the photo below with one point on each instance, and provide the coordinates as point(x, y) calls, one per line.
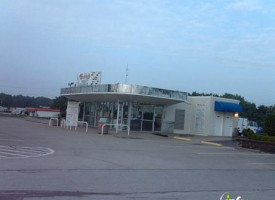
point(259, 137)
point(269, 125)
point(247, 132)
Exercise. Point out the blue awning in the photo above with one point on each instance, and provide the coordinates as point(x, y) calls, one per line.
point(227, 107)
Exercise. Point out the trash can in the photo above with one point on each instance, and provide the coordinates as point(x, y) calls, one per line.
point(101, 122)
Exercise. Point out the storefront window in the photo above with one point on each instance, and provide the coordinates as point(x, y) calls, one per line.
point(157, 124)
point(158, 117)
point(87, 108)
point(143, 117)
point(148, 112)
point(136, 111)
point(125, 111)
point(136, 125)
point(147, 125)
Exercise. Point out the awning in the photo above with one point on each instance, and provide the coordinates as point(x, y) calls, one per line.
point(227, 107)
point(124, 93)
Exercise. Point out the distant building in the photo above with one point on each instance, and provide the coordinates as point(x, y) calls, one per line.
point(42, 112)
point(17, 111)
point(3, 109)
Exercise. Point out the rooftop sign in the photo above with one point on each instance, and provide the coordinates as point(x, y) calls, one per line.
point(86, 79)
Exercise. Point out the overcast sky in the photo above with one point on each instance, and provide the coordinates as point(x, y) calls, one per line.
point(213, 46)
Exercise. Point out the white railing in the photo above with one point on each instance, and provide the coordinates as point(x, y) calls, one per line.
point(63, 123)
point(83, 122)
point(67, 125)
point(128, 128)
point(53, 118)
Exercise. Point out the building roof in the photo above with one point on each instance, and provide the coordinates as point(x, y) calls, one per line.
point(125, 93)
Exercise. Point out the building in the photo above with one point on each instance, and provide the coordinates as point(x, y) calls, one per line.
point(206, 115)
point(150, 109)
point(42, 112)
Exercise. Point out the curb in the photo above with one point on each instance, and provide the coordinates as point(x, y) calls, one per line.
point(211, 143)
point(249, 150)
point(182, 138)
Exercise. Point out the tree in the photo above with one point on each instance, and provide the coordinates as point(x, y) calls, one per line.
point(60, 103)
point(7, 100)
point(269, 125)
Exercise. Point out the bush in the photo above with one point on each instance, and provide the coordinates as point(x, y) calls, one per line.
point(269, 125)
point(247, 132)
point(259, 137)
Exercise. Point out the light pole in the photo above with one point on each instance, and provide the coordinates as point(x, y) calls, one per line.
point(70, 84)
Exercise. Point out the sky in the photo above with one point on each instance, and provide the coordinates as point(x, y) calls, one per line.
point(215, 46)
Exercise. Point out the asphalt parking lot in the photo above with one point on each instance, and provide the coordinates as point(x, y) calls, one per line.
point(42, 162)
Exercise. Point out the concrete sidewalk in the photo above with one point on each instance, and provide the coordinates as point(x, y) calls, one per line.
point(194, 139)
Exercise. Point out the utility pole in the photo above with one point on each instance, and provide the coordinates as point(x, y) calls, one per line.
point(126, 78)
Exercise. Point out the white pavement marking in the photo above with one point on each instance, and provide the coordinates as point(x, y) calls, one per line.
point(13, 154)
point(15, 150)
point(9, 152)
point(30, 149)
point(4, 146)
point(39, 149)
point(12, 140)
point(22, 147)
point(261, 163)
point(246, 154)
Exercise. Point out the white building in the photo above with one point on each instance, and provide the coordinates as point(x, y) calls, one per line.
point(42, 112)
point(156, 110)
point(206, 115)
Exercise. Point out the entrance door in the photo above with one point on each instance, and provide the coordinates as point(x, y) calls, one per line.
point(228, 124)
point(219, 124)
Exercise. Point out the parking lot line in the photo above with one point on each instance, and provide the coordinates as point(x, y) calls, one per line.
point(261, 163)
point(15, 151)
point(182, 138)
point(30, 150)
point(11, 140)
point(13, 154)
point(211, 143)
point(9, 152)
point(247, 154)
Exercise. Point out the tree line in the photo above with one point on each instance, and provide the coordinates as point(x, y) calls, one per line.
point(21, 101)
point(250, 110)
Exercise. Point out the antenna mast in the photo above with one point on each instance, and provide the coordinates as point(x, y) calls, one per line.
point(126, 78)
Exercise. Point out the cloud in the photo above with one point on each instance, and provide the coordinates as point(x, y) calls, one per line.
point(244, 5)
